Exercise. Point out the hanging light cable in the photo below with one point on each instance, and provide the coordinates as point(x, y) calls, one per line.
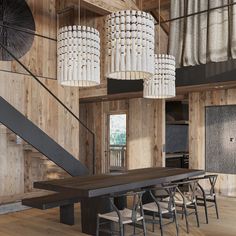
point(162, 84)
point(130, 45)
point(78, 53)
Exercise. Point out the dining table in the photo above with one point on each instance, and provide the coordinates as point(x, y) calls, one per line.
point(94, 190)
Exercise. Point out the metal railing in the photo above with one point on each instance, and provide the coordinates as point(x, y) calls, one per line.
point(58, 100)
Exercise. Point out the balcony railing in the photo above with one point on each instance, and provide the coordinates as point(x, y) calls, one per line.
point(117, 154)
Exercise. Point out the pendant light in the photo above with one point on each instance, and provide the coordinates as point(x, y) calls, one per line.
point(130, 45)
point(78, 52)
point(162, 84)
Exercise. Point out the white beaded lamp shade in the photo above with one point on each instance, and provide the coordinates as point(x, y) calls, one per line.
point(162, 84)
point(78, 53)
point(130, 45)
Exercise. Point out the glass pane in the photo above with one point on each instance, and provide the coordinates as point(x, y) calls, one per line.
point(118, 129)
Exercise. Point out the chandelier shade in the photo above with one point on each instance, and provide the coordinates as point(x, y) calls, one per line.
point(162, 84)
point(130, 45)
point(78, 53)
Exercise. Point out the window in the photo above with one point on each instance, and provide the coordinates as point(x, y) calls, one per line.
point(118, 129)
point(117, 142)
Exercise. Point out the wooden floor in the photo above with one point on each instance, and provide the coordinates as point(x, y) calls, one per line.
point(41, 223)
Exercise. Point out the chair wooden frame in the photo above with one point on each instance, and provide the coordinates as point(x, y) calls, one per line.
point(137, 214)
point(211, 197)
point(188, 200)
point(168, 199)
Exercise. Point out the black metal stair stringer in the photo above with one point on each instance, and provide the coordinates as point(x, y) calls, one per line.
point(27, 130)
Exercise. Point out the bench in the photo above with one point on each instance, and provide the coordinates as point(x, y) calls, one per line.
point(65, 202)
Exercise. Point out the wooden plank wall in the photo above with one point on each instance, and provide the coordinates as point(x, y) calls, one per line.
point(146, 134)
point(41, 59)
point(145, 130)
point(20, 167)
point(226, 184)
point(24, 94)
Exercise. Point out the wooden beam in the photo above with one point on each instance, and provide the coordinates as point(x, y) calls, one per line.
point(125, 96)
point(131, 4)
point(112, 97)
point(104, 7)
point(153, 6)
point(149, 5)
point(181, 92)
point(164, 26)
point(206, 87)
point(66, 16)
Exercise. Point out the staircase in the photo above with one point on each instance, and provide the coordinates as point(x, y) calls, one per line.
point(28, 131)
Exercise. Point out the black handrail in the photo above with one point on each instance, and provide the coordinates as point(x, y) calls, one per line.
point(27, 31)
point(54, 96)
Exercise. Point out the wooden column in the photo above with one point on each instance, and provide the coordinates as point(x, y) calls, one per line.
point(160, 133)
point(146, 133)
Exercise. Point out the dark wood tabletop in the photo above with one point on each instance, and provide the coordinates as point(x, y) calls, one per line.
point(103, 184)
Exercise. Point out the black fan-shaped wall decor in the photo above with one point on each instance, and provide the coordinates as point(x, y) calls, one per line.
point(17, 15)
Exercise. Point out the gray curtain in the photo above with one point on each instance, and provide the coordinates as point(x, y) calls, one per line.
point(208, 37)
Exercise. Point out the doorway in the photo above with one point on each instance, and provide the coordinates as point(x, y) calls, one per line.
point(117, 142)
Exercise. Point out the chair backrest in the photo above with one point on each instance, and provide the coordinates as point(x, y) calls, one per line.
point(212, 180)
point(189, 190)
point(136, 203)
point(165, 194)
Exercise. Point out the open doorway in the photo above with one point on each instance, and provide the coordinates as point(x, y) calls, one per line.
point(177, 134)
point(117, 140)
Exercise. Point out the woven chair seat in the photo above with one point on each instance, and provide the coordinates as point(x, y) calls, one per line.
point(152, 206)
point(126, 216)
point(180, 201)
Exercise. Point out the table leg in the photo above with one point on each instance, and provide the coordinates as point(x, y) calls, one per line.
point(90, 207)
point(67, 214)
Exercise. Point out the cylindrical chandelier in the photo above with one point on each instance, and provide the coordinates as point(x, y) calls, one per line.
point(78, 53)
point(162, 84)
point(130, 45)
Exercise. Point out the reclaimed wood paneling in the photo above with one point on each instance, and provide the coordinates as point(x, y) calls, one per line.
point(11, 155)
point(41, 58)
point(19, 168)
point(11, 166)
point(226, 183)
point(37, 167)
point(145, 131)
point(30, 99)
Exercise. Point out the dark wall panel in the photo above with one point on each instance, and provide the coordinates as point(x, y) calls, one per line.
point(176, 138)
point(185, 76)
point(124, 86)
point(221, 139)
